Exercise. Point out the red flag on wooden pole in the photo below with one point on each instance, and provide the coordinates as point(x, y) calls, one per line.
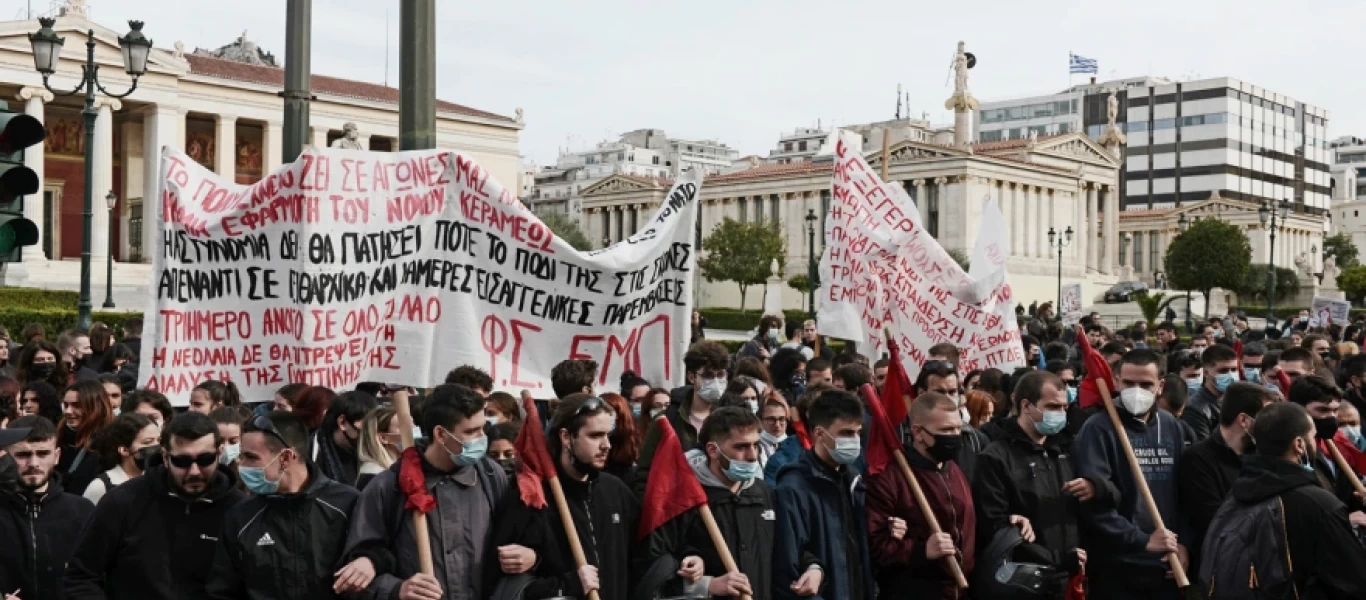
point(1097, 370)
point(897, 390)
point(672, 488)
point(535, 456)
point(882, 439)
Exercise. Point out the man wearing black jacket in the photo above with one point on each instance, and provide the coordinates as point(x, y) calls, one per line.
point(1207, 470)
point(154, 537)
point(726, 466)
point(1202, 409)
point(941, 376)
point(333, 447)
point(286, 541)
point(1324, 557)
point(603, 508)
point(39, 523)
point(1320, 398)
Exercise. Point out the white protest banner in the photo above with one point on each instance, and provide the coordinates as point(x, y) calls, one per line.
point(1326, 312)
point(1071, 304)
point(351, 266)
point(881, 268)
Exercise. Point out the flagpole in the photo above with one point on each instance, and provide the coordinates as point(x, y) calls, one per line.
point(727, 560)
point(1346, 468)
point(405, 426)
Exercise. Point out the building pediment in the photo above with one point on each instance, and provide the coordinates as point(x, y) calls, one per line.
point(909, 151)
point(1077, 147)
point(14, 35)
point(617, 184)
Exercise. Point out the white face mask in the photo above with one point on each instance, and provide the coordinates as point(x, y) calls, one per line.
point(771, 439)
point(711, 389)
point(1137, 401)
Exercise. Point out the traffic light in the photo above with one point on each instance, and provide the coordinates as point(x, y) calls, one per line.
point(17, 132)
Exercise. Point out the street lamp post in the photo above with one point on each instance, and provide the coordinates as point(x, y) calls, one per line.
point(111, 200)
point(1267, 215)
point(47, 50)
point(811, 219)
point(1061, 242)
point(1183, 224)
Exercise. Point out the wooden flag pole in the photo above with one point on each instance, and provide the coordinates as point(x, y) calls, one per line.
point(1173, 561)
point(1346, 468)
point(727, 560)
point(929, 515)
point(575, 546)
point(405, 426)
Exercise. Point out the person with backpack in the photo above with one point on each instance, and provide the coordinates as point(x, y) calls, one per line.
point(1282, 535)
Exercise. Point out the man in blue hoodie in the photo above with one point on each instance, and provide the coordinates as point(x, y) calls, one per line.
point(1127, 551)
point(1220, 370)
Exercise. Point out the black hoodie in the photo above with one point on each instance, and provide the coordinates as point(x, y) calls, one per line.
point(39, 533)
point(1326, 557)
point(146, 542)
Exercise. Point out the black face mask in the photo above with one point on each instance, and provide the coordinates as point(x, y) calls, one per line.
point(945, 447)
point(42, 370)
point(147, 457)
point(1326, 428)
point(509, 466)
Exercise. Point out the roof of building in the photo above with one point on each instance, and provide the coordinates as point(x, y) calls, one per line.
point(774, 170)
point(1011, 144)
point(218, 68)
point(660, 181)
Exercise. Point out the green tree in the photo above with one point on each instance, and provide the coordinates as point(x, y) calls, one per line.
point(1254, 285)
point(1352, 281)
point(1211, 254)
point(1152, 305)
point(1341, 248)
point(742, 252)
point(566, 229)
point(801, 283)
point(960, 257)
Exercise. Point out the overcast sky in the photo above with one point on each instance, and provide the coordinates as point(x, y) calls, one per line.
point(745, 71)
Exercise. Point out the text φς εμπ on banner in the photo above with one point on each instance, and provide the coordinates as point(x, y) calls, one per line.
point(350, 266)
point(881, 268)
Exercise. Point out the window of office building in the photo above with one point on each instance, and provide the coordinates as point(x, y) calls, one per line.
point(801, 146)
point(990, 136)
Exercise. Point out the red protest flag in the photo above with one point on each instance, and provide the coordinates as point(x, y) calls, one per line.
point(882, 439)
point(413, 483)
point(1238, 349)
point(1096, 370)
point(671, 489)
point(535, 456)
point(897, 391)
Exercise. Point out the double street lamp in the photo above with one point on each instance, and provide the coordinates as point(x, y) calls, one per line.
point(811, 219)
point(1267, 215)
point(47, 50)
point(1059, 242)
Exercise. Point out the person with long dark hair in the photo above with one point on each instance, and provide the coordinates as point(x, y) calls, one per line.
point(112, 360)
point(124, 447)
point(40, 362)
point(85, 411)
point(39, 398)
point(149, 403)
point(9, 399)
point(212, 395)
point(101, 340)
point(625, 438)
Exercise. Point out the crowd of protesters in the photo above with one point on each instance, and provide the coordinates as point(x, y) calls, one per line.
point(1248, 442)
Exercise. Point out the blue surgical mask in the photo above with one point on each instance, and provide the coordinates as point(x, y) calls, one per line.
point(1223, 380)
point(773, 335)
point(1071, 395)
point(740, 471)
point(846, 450)
point(635, 410)
point(1193, 383)
point(1252, 374)
point(753, 406)
point(230, 453)
point(1053, 422)
point(471, 451)
point(254, 478)
point(711, 389)
point(492, 420)
point(770, 439)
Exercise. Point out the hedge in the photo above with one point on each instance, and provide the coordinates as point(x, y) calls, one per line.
point(55, 321)
point(33, 298)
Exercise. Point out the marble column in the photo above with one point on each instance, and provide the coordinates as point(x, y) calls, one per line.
point(161, 126)
point(272, 146)
point(1002, 193)
point(225, 147)
point(921, 195)
point(1080, 239)
point(103, 183)
point(590, 226)
point(34, 98)
point(1112, 246)
point(1017, 221)
point(1052, 198)
point(941, 193)
point(1092, 228)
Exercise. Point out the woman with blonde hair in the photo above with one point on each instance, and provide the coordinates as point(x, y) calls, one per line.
point(379, 446)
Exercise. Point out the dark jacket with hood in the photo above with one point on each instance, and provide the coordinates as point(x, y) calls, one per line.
point(1016, 476)
point(746, 522)
point(1115, 532)
point(678, 414)
point(605, 514)
point(903, 569)
point(821, 521)
point(1204, 476)
point(1326, 558)
point(40, 533)
point(77, 466)
point(146, 542)
point(284, 546)
point(1202, 412)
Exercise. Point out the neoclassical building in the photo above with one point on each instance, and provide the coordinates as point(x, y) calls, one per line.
point(1059, 182)
point(222, 107)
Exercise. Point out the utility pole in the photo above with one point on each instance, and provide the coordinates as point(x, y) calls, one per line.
point(298, 72)
point(417, 75)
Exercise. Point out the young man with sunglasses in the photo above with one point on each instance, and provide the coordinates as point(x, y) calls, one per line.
point(154, 537)
point(296, 516)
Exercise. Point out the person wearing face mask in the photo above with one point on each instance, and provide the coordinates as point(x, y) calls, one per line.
point(1207, 470)
point(773, 420)
point(1026, 480)
point(296, 516)
point(39, 521)
point(1221, 369)
point(1322, 399)
point(1349, 423)
point(503, 448)
point(1254, 353)
point(821, 530)
point(727, 466)
point(907, 558)
point(1354, 380)
point(706, 364)
point(942, 377)
point(333, 446)
point(465, 486)
point(154, 537)
point(765, 341)
point(532, 541)
point(128, 444)
point(75, 352)
point(1310, 538)
point(1129, 552)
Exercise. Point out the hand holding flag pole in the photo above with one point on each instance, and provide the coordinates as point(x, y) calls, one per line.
point(405, 427)
point(1345, 467)
point(1098, 378)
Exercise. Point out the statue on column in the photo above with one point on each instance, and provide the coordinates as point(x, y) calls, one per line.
point(1304, 264)
point(1112, 138)
point(350, 139)
point(1330, 271)
point(960, 70)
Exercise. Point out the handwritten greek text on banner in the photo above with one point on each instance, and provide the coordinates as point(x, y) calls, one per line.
point(882, 268)
point(351, 266)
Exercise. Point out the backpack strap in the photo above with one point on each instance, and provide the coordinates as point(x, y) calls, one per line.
point(1285, 538)
point(104, 478)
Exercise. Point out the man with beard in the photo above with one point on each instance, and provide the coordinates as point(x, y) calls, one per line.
point(533, 540)
point(154, 537)
point(1321, 399)
point(75, 349)
point(334, 445)
point(39, 523)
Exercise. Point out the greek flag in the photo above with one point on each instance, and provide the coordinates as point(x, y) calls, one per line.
point(1081, 64)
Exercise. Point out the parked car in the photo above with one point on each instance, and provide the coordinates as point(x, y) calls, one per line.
point(1125, 291)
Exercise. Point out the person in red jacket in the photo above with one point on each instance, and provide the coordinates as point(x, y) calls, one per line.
point(908, 560)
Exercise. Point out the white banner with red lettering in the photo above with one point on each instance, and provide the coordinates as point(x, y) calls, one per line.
point(350, 266)
point(881, 268)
